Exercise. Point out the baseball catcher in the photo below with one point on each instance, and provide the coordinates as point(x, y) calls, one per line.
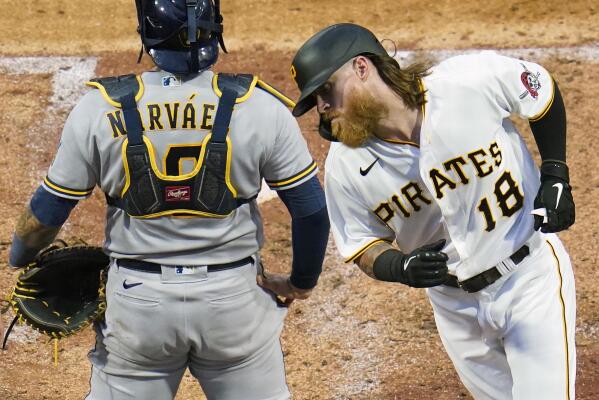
point(180, 153)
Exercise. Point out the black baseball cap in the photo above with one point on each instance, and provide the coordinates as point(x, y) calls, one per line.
point(324, 53)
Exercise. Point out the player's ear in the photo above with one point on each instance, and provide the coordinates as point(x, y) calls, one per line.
point(361, 67)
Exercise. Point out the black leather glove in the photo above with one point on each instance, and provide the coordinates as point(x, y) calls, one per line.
point(424, 267)
point(555, 196)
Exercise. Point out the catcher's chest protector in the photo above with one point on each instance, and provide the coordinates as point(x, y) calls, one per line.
point(207, 190)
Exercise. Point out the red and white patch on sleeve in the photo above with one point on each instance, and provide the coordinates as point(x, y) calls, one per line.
point(531, 83)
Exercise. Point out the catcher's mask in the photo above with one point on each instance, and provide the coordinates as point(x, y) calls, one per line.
point(181, 36)
point(322, 55)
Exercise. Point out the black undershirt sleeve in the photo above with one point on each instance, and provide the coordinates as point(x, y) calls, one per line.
point(550, 129)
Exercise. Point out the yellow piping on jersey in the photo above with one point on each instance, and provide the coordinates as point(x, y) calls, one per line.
point(286, 100)
point(423, 105)
point(140, 92)
point(561, 299)
point(299, 176)
point(175, 178)
point(364, 248)
point(423, 109)
point(67, 191)
point(397, 141)
point(547, 107)
point(239, 99)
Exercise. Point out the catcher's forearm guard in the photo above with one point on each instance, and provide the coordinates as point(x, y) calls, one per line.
point(62, 291)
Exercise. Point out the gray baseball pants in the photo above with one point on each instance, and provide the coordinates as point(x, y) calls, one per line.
point(221, 325)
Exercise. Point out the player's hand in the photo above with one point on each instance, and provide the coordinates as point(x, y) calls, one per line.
point(554, 205)
point(281, 286)
point(424, 267)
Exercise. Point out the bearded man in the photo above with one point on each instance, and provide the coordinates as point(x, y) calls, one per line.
point(432, 186)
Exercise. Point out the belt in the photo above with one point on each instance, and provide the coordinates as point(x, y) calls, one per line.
point(153, 268)
point(484, 279)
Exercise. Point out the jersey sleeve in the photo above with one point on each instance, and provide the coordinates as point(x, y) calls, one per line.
point(520, 87)
point(288, 162)
point(71, 174)
point(355, 227)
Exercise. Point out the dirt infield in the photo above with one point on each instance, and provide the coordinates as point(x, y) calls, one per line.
point(354, 338)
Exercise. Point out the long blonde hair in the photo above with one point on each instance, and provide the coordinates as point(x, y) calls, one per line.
point(404, 81)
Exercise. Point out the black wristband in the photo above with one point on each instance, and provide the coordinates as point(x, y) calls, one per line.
point(555, 168)
point(386, 266)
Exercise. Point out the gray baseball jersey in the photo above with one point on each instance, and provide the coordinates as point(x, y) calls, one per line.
point(177, 115)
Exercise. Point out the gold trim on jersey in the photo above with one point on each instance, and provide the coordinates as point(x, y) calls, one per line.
point(62, 189)
point(397, 141)
point(279, 184)
point(140, 91)
point(279, 95)
point(423, 105)
point(541, 114)
point(364, 248)
point(176, 178)
point(423, 110)
point(563, 303)
point(241, 99)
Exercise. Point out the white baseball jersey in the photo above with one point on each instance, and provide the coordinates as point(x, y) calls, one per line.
point(177, 115)
point(470, 179)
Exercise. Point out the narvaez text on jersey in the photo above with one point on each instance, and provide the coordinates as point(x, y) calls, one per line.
point(167, 116)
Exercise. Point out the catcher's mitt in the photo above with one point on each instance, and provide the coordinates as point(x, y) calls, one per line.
point(62, 291)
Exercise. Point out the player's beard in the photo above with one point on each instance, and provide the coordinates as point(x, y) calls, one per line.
point(358, 122)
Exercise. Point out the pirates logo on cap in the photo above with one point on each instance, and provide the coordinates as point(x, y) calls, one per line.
point(293, 72)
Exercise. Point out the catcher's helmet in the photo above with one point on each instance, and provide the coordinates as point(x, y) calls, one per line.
point(181, 36)
point(324, 53)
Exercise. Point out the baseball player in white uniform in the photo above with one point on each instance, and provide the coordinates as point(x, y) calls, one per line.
point(432, 186)
point(180, 153)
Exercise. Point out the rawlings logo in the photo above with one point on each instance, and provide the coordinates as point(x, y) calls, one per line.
point(531, 83)
point(178, 193)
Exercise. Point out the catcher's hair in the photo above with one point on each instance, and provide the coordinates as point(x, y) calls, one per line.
point(404, 81)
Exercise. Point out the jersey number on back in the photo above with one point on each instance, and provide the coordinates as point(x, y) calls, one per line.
point(509, 199)
point(177, 154)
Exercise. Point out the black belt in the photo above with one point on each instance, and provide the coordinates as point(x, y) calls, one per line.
point(154, 268)
point(484, 279)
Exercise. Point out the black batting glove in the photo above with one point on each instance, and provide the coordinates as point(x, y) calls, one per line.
point(424, 267)
point(555, 196)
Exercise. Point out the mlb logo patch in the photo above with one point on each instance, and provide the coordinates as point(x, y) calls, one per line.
point(177, 193)
point(170, 81)
point(186, 269)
